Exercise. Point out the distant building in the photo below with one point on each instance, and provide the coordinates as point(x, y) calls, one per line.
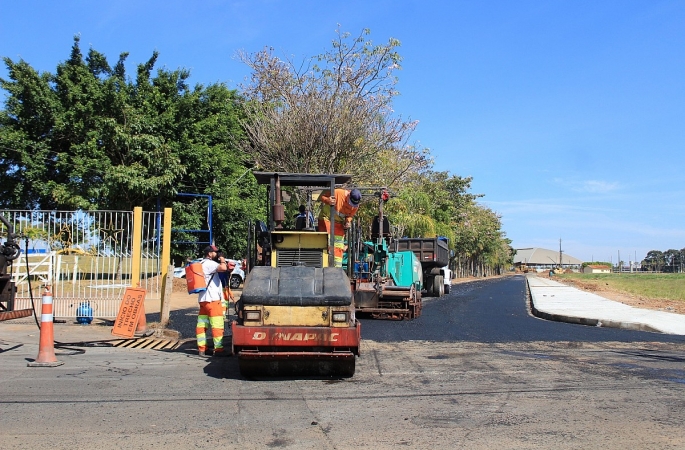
point(541, 259)
point(597, 268)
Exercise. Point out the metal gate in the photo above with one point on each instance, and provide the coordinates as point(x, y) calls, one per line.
point(87, 258)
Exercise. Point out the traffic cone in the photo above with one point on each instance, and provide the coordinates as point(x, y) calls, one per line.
point(46, 347)
point(141, 328)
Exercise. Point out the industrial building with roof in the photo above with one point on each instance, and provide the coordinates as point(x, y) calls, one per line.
point(543, 259)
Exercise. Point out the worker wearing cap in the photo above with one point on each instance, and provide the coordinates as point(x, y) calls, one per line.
point(345, 204)
point(226, 283)
point(211, 311)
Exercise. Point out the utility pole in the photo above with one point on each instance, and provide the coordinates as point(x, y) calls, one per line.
point(560, 265)
point(619, 262)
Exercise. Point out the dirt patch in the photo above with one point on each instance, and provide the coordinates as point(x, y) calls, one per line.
point(180, 299)
point(180, 285)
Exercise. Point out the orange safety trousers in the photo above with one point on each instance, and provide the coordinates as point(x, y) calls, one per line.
point(339, 243)
point(211, 315)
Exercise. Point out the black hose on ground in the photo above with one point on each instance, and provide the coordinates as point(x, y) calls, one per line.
point(28, 277)
point(33, 305)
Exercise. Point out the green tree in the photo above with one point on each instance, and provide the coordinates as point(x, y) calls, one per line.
point(410, 212)
point(330, 115)
point(654, 260)
point(25, 134)
point(89, 137)
point(433, 203)
point(672, 259)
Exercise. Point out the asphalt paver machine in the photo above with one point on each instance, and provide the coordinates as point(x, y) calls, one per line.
point(386, 282)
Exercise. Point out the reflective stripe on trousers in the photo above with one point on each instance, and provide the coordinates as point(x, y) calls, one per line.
point(211, 315)
point(339, 244)
point(338, 249)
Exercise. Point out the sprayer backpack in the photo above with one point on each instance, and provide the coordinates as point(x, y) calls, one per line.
point(195, 278)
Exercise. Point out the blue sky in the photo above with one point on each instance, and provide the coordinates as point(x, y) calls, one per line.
point(569, 115)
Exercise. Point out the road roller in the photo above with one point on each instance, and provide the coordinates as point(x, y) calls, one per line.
point(296, 313)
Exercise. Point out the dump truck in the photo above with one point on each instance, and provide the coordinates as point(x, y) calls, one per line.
point(296, 313)
point(386, 282)
point(434, 255)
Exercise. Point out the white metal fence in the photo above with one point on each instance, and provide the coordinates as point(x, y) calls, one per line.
point(86, 257)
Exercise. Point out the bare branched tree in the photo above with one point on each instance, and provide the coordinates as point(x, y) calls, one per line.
point(332, 114)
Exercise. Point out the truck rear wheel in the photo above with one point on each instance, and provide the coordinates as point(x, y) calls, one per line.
point(430, 286)
point(438, 286)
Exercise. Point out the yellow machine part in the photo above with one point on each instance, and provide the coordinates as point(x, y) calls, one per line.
point(301, 316)
point(300, 240)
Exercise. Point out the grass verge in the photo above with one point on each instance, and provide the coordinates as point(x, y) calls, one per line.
point(669, 286)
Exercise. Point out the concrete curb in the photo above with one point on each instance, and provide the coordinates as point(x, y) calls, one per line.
point(592, 322)
point(555, 301)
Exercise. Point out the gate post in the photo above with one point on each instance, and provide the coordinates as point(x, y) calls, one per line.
point(166, 266)
point(136, 257)
point(136, 252)
point(165, 307)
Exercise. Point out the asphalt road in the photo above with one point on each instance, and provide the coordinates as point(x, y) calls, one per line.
point(474, 372)
point(494, 311)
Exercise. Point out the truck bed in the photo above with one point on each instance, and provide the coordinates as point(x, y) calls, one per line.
point(432, 252)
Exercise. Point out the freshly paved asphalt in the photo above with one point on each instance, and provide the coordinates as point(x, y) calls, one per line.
point(497, 310)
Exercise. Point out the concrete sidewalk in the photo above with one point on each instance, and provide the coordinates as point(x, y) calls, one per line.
point(555, 301)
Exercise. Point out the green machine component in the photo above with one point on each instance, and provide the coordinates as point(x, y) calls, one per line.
point(387, 284)
point(405, 269)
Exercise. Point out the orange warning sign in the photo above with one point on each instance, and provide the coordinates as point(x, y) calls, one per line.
point(129, 312)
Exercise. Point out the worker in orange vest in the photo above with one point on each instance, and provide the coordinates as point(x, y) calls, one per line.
point(346, 204)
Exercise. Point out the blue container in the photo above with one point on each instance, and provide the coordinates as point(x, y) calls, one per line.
point(84, 313)
point(362, 270)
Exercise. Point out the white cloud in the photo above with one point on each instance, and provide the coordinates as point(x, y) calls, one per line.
point(595, 186)
point(546, 206)
point(590, 186)
point(590, 225)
